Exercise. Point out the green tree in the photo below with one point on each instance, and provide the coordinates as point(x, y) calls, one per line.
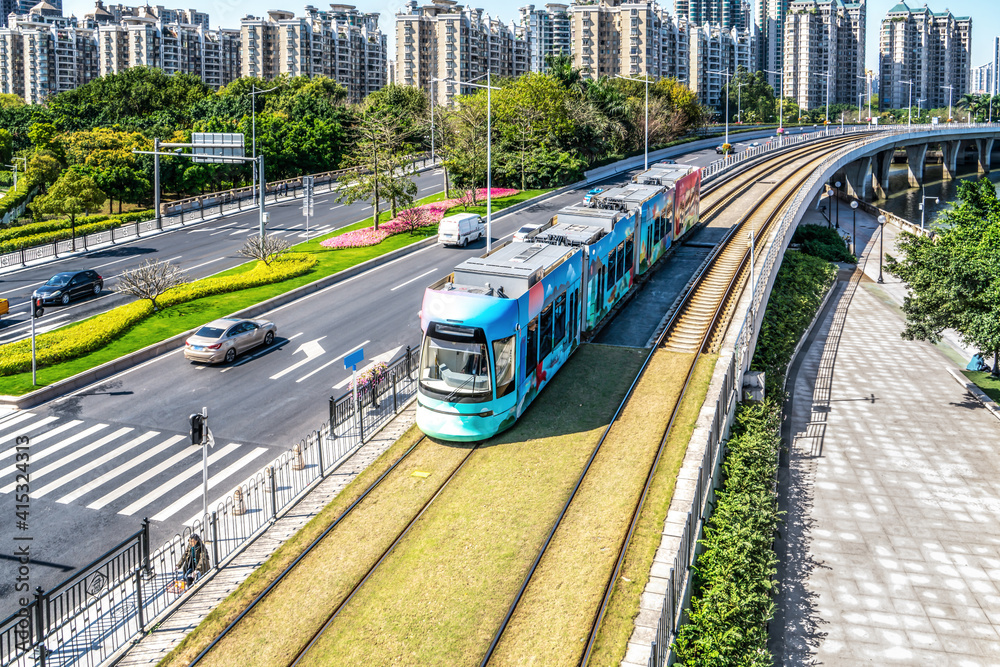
point(10, 101)
point(44, 168)
point(954, 279)
point(73, 194)
point(6, 145)
point(382, 163)
point(42, 134)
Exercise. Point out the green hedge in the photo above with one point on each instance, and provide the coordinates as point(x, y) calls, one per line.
point(75, 341)
point(15, 196)
point(799, 288)
point(40, 233)
point(734, 576)
point(823, 242)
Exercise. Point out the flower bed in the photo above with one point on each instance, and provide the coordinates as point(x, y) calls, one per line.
point(369, 236)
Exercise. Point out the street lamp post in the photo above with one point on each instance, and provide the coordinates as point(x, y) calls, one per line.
point(253, 120)
point(727, 75)
point(739, 102)
point(14, 160)
point(781, 98)
point(489, 150)
point(826, 121)
point(646, 81)
point(923, 207)
point(949, 89)
point(433, 154)
point(837, 203)
point(909, 103)
point(881, 237)
point(868, 80)
point(854, 236)
point(924, 99)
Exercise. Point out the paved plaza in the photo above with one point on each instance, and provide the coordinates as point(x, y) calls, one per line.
point(891, 547)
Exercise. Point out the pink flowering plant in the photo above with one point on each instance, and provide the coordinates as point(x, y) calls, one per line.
point(372, 375)
point(406, 221)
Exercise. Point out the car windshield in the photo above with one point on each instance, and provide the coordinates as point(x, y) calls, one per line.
point(454, 370)
point(210, 332)
point(525, 230)
point(59, 279)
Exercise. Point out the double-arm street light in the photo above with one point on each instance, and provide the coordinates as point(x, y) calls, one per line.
point(489, 149)
point(909, 103)
point(854, 235)
point(14, 160)
point(253, 120)
point(868, 78)
point(923, 205)
point(727, 75)
point(881, 237)
point(922, 99)
point(826, 121)
point(433, 153)
point(646, 81)
point(781, 98)
point(949, 89)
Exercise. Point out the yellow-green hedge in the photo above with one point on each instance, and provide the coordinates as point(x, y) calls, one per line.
point(75, 341)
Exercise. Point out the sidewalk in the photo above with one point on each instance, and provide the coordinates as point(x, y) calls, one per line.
point(889, 551)
point(168, 633)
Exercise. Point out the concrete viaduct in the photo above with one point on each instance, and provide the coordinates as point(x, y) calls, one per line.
point(866, 176)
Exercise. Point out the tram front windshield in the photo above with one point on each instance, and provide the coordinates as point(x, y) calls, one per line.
point(455, 365)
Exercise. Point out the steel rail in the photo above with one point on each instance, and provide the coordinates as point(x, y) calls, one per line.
point(385, 554)
point(623, 550)
point(713, 258)
point(305, 553)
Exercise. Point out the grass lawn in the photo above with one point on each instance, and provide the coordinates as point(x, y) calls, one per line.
point(989, 384)
point(498, 204)
point(444, 590)
point(551, 624)
point(619, 618)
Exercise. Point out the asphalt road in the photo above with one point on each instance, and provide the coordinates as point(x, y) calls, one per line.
point(117, 451)
point(200, 249)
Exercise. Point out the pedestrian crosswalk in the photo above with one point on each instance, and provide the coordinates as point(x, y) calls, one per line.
point(125, 469)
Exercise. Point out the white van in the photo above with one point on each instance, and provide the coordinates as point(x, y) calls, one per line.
point(460, 229)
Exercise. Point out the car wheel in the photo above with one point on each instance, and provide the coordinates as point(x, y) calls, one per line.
point(64, 299)
point(465, 241)
point(230, 355)
point(97, 288)
point(268, 338)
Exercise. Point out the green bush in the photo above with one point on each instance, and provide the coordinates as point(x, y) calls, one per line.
point(799, 288)
point(80, 339)
point(823, 242)
point(734, 581)
point(15, 196)
point(40, 233)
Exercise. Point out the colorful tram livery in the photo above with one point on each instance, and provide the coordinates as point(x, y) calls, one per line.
point(499, 327)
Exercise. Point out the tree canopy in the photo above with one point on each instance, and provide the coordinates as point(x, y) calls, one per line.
point(954, 278)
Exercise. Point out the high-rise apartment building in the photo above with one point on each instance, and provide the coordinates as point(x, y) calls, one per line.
point(982, 80)
point(770, 46)
point(931, 50)
point(725, 13)
point(342, 43)
point(43, 53)
point(824, 51)
point(715, 55)
point(597, 39)
point(547, 32)
point(443, 45)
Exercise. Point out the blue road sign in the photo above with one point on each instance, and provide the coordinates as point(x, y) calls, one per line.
point(354, 358)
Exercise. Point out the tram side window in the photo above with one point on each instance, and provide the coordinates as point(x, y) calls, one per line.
point(503, 354)
point(559, 322)
point(545, 335)
point(531, 351)
point(629, 254)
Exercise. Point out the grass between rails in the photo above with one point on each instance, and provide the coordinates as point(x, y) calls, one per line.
point(444, 590)
point(619, 618)
point(238, 600)
point(552, 622)
point(989, 384)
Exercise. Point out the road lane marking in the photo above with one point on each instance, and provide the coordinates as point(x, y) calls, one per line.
point(312, 350)
point(413, 279)
point(222, 231)
point(27, 429)
point(173, 258)
point(16, 419)
point(213, 481)
point(59, 446)
point(333, 361)
point(192, 268)
point(144, 477)
point(73, 456)
point(124, 259)
point(96, 463)
point(171, 484)
point(259, 353)
point(124, 467)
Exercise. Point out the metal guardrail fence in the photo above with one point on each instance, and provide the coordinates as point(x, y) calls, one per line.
point(117, 598)
point(180, 213)
point(678, 582)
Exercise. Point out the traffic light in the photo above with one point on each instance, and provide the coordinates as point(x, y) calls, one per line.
point(37, 310)
point(197, 429)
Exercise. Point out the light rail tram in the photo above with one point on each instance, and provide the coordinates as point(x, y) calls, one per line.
point(499, 327)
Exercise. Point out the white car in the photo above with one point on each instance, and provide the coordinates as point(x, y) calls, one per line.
point(461, 229)
point(521, 234)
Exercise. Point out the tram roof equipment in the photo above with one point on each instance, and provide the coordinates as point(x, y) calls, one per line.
point(663, 174)
point(627, 197)
point(510, 271)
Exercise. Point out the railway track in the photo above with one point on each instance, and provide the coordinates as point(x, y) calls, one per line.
point(693, 330)
point(690, 331)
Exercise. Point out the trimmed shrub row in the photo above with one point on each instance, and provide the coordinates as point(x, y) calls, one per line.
point(823, 242)
point(734, 576)
point(40, 233)
point(15, 196)
point(75, 341)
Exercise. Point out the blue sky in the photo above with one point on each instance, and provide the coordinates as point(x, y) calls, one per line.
point(227, 13)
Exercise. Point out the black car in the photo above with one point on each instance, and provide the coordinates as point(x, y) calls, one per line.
point(64, 287)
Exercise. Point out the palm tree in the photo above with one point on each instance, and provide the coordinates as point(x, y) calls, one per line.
point(561, 68)
point(967, 102)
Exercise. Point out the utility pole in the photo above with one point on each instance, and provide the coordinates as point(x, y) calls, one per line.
point(728, 76)
point(949, 89)
point(781, 98)
point(909, 104)
point(253, 119)
point(646, 81)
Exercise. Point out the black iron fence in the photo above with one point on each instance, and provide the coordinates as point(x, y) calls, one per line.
point(108, 604)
